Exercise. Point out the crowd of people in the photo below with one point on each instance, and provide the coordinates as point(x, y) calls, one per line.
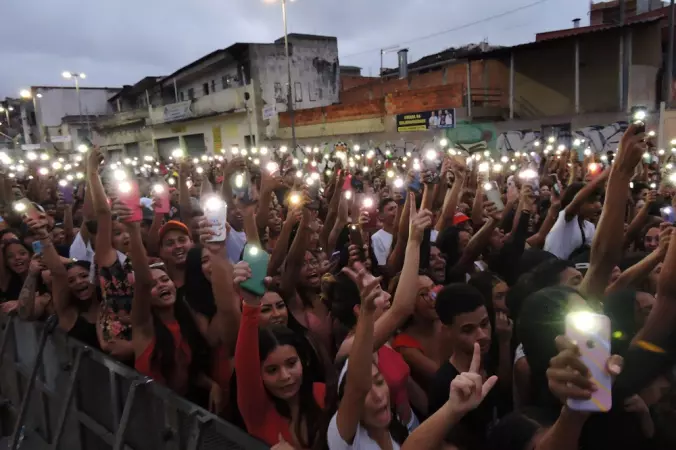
point(358, 300)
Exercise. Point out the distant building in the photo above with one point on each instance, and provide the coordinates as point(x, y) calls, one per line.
point(56, 116)
point(229, 97)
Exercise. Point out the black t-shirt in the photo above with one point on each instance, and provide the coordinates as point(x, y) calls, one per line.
point(470, 433)
point(13, 289)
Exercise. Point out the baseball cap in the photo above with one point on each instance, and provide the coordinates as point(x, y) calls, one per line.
point(459, 218)
point(173, 225)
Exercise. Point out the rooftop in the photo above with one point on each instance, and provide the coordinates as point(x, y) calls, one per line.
point(135, 89)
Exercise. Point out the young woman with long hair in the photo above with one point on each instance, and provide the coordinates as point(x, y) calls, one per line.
point(76, 300)
point(167, 343)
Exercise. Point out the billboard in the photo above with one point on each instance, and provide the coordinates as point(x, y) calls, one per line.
point(426, 120)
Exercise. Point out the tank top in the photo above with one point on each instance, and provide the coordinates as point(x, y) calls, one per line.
point(85, 332)
point(183, 357)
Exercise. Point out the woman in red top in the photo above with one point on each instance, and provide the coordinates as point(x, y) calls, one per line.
point(274, 397)
point(167, 343)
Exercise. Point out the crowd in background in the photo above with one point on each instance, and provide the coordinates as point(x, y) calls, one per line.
point(365, 301)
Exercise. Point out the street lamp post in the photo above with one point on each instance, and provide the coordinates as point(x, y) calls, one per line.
point(288, 72)
point(76, 76)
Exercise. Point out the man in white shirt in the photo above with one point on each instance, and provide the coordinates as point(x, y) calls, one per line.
point(236, 237)
point(574, 228)
point(381, 241)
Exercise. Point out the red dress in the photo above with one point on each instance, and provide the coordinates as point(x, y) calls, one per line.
point(258, 411)
point(183, 357)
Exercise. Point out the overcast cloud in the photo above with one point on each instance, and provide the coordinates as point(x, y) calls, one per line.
point(119, 42)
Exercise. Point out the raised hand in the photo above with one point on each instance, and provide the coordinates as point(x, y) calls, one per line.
point(631, 149)
point(369, 287)
point(469, 389)
point(122, 211)
point(665, 237)
point(38, 226)
point(418, 220)
point(94, 160)
point(241, 272)
point(569, 378)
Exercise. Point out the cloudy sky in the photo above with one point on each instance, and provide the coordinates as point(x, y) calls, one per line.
point(119, 42)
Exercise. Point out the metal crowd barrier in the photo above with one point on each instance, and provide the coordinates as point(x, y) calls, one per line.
point(56, 393)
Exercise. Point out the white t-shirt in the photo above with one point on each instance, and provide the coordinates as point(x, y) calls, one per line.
point(234, 244)
point(362, 441)
point(381, 241)
point(565, 237)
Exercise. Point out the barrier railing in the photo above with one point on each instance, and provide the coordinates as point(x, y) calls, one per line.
point(56, 393)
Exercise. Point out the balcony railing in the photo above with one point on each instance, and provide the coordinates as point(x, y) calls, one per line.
point(124, 118)
point(120, 137)
point(225, 101)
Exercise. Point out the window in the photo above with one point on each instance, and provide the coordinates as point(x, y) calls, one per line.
point(181, 96)
point(213, 85)
point(298, 89)
point(279, 94)
point(205, 88)
point(191, 94)
point(310, 95)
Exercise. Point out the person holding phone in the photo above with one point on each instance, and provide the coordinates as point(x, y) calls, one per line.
point(75, 299)
point(112, 267)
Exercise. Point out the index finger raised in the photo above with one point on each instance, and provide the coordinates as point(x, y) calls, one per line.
point(476, 359)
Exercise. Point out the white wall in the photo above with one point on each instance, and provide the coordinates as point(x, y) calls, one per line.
point(56, 103)
point(314, 73)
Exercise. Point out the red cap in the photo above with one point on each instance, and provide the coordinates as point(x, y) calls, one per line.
point(459, 218)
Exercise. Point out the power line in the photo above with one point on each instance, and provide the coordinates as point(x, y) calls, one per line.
point(460, 27)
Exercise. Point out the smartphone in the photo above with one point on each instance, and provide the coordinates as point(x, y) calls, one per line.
point(129, 194)
point(493, 195)
point(216, 212)
point(26, 208)
point(667, 213)
point(241, 188)
point(161, 191)
point(591, 333)
point(67, 193)
point(258, 262)
point(37, 247)
point(356, 239)
point(432, 167)
point(357, 185)
point(415, 185)
point(347, 184)
point(640, 126)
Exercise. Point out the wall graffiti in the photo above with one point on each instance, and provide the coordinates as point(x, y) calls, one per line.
point(599, 138)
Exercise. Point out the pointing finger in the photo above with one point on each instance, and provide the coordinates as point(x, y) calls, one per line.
point(476, 359)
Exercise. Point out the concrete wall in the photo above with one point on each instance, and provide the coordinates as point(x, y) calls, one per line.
point(59, 102)
point(217, 75)
point(314, 73)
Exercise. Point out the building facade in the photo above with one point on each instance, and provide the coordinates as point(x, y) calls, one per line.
point(229, 97)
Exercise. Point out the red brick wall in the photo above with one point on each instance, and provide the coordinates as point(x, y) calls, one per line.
point(420, 92)
point(350, 81)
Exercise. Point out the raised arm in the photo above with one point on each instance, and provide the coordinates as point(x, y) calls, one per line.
point(105, 253)
point(633, 276)
point(639, 220)
point(279, 253)
point(184, 204)
point(250, 225)
point(358, 379)
point(332, 213)
point(229, 169)
point(452, 197)
point(338, 224)
point(478, 204)
point(295, 258)
point(395, 259)
point(538, 239)
point(66, 313)
point(403, 304)
point(590, 188)
point(268, 186)
point(224, 325)
point(153, 240)
point(68, 223)
point(605, 252)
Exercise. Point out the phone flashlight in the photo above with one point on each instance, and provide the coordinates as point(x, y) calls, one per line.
point(239, 180)
point(120, 175)
point(200, 170)
point(177, 153)
point(253, 250)
point(43, 171)
point(348, 194)
point(653, 185)
point(528, 174)
point(63, 183)
point(367, 202)
point(215, 212)
point(431, 155)
point(294, 199)
point(398, 183)
point(497, 167)
point(483, 167)
point(593, 167)
point(390, 174)
point(488, 186)
point(272, 167)
point(171, 181)
point(124, 187)
point(583, 321)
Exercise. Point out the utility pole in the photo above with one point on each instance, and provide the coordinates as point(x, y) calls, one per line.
point(669, 76)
